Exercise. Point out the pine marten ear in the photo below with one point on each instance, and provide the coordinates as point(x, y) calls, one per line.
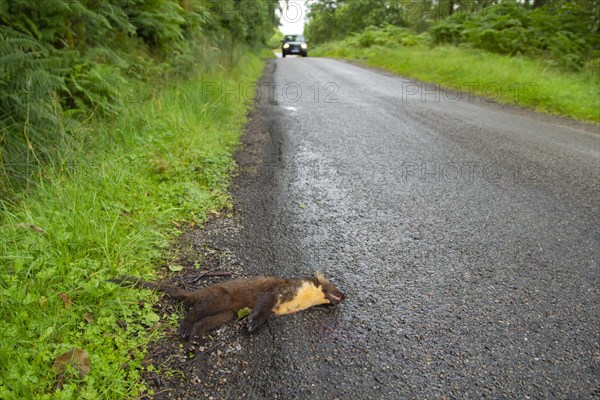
point(332, 294)
point(318, 279)
point(314, 280)
point(321, 278)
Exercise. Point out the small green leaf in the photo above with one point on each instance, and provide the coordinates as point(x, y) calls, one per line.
point(88, 317)
point(243, 312)
point(43, 301)
point(46, 333)
point(152, 317)
point(175, 268)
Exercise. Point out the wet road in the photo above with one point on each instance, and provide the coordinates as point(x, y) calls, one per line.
point(465, 235)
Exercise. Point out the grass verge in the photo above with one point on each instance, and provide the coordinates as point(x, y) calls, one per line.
point(139, 180)
point(509, 80)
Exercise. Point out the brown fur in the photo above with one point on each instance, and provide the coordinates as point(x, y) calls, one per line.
point(215, 305)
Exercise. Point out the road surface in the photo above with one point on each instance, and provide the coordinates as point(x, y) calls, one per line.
point(464, 233)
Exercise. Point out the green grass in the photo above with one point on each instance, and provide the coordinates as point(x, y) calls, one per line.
point(137, 182)
point(510, 80)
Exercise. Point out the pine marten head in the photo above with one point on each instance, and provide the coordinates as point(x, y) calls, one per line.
point(332, 294)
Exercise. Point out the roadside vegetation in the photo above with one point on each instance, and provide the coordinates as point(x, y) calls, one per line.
point(546, 57)
point(118, 121)
point(274, 43)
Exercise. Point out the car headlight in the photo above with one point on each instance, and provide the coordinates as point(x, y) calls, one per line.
point(286, 46)
point(304, 46)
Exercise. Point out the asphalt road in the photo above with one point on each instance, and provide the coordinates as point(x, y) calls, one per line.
point(465, 235)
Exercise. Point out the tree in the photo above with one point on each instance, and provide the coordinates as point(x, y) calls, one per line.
point(331, 19)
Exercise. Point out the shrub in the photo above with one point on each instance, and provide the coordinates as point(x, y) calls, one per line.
point(62, 61)
point(388, 35)
point(510, 28)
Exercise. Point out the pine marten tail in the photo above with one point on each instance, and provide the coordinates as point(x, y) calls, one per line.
point(169, 290)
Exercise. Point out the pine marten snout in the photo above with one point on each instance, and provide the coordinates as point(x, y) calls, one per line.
point(215, 305)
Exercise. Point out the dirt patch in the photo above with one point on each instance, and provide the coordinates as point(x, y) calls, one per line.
point(209, 255)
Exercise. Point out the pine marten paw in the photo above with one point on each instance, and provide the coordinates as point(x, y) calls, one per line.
point(252, 324)
point(184, 330)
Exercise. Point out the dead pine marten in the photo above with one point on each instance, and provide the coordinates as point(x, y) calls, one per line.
point(215, 305)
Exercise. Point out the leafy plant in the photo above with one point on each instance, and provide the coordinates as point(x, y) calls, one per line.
point(556, 34)
point(388, 35)
point(63, 61)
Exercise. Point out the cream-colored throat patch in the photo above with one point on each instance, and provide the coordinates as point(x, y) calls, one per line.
point(308, 295)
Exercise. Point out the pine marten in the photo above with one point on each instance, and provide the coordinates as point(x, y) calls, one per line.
point(218, 304)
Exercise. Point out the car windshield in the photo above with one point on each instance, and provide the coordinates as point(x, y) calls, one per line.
point(293, 38)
